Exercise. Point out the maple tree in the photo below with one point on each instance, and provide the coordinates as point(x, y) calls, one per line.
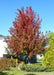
point(25, 36)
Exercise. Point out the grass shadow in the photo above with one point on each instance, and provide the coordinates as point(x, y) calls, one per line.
point(30, 74)
point(1, 73)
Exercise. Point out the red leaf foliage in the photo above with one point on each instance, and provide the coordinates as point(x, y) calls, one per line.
point(31, 54)
point(25, 35)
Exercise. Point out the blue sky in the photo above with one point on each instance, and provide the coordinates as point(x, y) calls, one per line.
point(45, 9)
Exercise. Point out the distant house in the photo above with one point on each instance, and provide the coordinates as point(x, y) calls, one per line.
point(40, 56)
point(3, 44)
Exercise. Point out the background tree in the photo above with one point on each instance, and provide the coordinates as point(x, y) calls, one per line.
point(48, 60)
point(51, 41)
point(25, 36)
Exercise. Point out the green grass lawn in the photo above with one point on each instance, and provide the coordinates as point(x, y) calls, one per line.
point(15, 71)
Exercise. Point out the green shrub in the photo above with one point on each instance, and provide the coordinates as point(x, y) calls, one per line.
point(1, 69)
point(33, 68)
point(48, 70)
point(48, 60)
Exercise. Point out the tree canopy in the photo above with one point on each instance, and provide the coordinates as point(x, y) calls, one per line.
point(25, 34)
point(51, 41)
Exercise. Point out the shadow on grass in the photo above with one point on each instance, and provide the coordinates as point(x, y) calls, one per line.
point(1, 73)
point(30, 74)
